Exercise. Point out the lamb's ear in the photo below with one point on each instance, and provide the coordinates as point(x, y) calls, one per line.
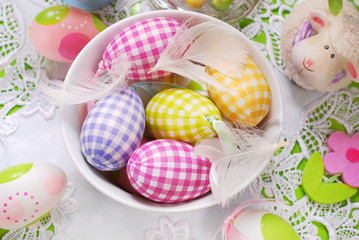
point(353, 70)
point(319, 19)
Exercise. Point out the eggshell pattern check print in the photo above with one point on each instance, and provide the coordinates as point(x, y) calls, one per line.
point(166, 171)
point(142, 44)
point(250, 97)
point(113, 129)
point(181, 114)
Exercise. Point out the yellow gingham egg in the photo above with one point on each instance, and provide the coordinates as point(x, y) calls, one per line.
point(249, 98)
point(181, 114)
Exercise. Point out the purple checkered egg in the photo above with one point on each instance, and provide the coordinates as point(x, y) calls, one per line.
point(167, 171)
point(142, 44)
point(113, 129)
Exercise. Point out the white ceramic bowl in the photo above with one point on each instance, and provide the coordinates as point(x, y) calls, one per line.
point(72, 116)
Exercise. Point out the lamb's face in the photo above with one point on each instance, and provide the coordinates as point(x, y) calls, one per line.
point(317, 64)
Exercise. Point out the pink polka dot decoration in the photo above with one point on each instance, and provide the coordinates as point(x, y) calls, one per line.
point(142, 44)
point(167, 171)
point(61, 32)
point(28, 191)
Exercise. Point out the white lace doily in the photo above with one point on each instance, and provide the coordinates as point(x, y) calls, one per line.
point(282, 179)
point(169, 231)
point(50, 226)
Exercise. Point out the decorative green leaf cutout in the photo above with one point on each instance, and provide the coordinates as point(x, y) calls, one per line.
point(319, 192)
point(335, 6)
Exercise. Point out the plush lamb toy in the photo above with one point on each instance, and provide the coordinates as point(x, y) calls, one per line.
point(321, 51)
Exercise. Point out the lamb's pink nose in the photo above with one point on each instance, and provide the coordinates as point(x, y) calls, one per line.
point(309, 63)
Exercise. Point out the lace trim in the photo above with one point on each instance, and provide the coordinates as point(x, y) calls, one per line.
point(282, 178)
point(168, 231)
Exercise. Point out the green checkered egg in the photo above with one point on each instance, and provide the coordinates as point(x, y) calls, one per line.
point(182, 115)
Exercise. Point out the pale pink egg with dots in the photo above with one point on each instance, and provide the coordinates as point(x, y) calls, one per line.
point(28, 191)
point(61, 32)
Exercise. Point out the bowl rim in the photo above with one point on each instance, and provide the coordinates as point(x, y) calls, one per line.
point(69, 127)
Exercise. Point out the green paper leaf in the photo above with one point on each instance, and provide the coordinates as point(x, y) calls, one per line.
point(319, 192)
point(335, 6)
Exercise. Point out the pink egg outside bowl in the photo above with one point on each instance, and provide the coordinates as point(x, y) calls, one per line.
point(61, 32)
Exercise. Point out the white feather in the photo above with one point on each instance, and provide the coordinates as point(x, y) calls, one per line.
point(208, 148)
point(208, 43)
point(230, 175)
point(88, 86)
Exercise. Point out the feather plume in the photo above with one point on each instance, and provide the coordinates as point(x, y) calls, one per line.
point(208, 43)
point(89, 86)
point(231, 173)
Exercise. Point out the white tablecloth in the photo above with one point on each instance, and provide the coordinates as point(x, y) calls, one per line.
point(99, 217)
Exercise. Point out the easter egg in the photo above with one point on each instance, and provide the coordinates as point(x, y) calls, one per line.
point(249, 99)
point(259, 224)
point(167, 171)
point(142, 44)
point(88, 5)
point(113, 129)
point(195, 3)
point(61, 32)
point(181, 114)
point(221, 4)
point(28, 191)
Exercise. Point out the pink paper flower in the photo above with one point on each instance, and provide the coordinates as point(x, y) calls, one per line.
point(344, 157)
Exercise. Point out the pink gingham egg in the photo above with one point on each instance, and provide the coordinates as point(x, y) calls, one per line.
point(142, 44)
point(167, 171)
